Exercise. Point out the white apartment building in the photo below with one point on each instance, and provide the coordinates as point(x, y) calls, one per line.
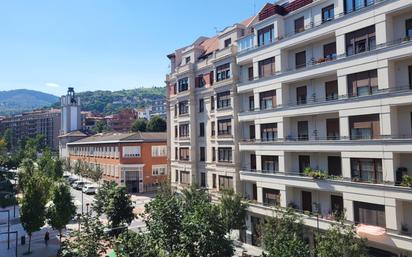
point(323, 85)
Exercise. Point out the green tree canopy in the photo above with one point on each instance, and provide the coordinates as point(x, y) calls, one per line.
point(62, 210)
point(156, 124)
point(139, 125)
point(100, 126)
point(232, 210)
point(119, 209)
point(102, 197)
point(283, 235)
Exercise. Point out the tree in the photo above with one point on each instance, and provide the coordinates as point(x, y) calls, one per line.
point(7, 137)
point(283, 235)
point(102, 197)
point(3, 152)
point(137, 245)
point(62, 210)
point(33, 210)
point(90, 241)
point(27, 172)
point(340, 240)
point(96, 173)
point(119, 210)
point(57, 169)
point(100, 126)
point(232, 210)
point(156, 124)
point(139, 125)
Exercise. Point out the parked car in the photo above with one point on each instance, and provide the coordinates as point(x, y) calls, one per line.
point(89, 189)
point(71, 180)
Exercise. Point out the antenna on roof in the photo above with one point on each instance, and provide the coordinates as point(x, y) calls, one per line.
point(254, 7)
point(216, 30)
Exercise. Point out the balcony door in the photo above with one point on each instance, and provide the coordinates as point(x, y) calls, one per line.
point(332, 128)
point(301, 95)
point(252, 132)
point(334, 166)
point(410, 75)
point(253, 161)
point(331, 89)
point(369, 214)
point(336, 202)
point(306, 201)
point(304, 161)
point(303, 130)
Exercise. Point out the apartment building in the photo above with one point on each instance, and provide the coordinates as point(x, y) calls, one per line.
point(135, 160)
point(122, 121)
point(307, 105)
point(29, 124)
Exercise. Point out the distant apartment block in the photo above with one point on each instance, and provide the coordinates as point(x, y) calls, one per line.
point(302, 86)
point(135, 160)
point(29, 124)
point(122, 121)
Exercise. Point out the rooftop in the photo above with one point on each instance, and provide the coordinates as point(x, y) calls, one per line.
point(122, 137)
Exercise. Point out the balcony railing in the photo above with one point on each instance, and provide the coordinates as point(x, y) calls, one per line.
point(310, 26)
point(313, 101)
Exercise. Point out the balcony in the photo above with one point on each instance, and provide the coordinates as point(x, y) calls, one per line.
point(313, 102)
point(311, 26)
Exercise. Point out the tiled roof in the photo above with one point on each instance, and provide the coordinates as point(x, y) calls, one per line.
point(210, 44)
point(119, 137)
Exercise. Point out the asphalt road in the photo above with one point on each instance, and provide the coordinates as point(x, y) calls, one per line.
point(136, 225)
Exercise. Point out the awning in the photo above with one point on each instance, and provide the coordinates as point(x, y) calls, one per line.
point(368, 231)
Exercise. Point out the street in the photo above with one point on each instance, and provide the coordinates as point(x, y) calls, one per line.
point(138, 201)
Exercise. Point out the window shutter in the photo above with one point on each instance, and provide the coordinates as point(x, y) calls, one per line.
point(211, 77)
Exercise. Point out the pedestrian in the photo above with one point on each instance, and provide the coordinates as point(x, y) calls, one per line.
point(46, 238)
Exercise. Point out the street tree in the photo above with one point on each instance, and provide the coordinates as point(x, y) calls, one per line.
point(3, 152)
point(340, 240)
point(27, 172)
point(100, 127)
point(156, 124)
point(283, 235)
point(119, 209)
point(137, 245)
point(89, 241)
point(7, 137)
point(33, 206)
point(102, 197)
point(139, 125)
point(232, 210)
point(62, 209)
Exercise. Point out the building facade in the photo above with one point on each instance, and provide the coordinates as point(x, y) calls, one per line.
point(122, 121)
point(135, 160)
point(307, 105)
point(29, 124)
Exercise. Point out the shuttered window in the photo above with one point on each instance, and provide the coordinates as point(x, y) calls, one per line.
point(299, 24)
point(267, 67)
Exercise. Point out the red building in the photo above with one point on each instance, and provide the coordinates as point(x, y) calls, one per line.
point(122, 121)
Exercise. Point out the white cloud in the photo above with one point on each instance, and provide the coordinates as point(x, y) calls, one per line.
point(53, 85)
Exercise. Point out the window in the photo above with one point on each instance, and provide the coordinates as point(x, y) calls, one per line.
point(224, 154)
point(354, 5)
point(269, 164)
point(159, 150)
point(250, 73)
point(267, 67)
point(176, 176)
point(364, 127)
point(224, 127)
point(332, 129)
point(267, 99)
point(202, 154)
point(176, 153)
point(410, 75)
point(271, 197)
point(201, 105)
point(213, 154)
point(251, 103)
point(363, 83)
point(201, 129)
point(408, 26)
point(131, 151)
point(187, 59)
point(175, 107)
point(367, 170)
point(369, 214)
point(328, 13)
point(225, 182)
point(299, 25)
point(183, 84)
point(300, 60)
point(183, 107)
point(184, 177)
point(200, 81)
point(212, 102)
point(158, 170)
point(223, 72)
point(176, 131)
point(184, 130)
point(329, 51)
point(223, 99)
point(266, 35)
point(269, 132)
point(228, 42)
point(331, 89)
point(214, 180)
point(303, 130)
point(360, 41)
point(184, 154)
point(202, 179)
point(301, 95)
point(212, 129)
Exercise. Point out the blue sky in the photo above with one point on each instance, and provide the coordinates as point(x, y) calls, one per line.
point(103, 44)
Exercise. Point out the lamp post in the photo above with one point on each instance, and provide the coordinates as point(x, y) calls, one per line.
point(87, 208)
point(78, 220)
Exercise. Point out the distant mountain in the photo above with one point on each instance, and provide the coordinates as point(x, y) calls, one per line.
point(110, 102)
point(21, 100)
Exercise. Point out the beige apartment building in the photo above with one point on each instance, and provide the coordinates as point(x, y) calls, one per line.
point(307, 105)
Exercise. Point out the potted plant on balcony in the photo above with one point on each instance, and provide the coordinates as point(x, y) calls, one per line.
point(406, 181)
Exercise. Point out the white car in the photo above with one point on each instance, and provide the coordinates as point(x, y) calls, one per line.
point(90, 189)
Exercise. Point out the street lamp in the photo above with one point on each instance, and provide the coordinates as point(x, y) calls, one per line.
point(87, 208)
point(78, 220)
